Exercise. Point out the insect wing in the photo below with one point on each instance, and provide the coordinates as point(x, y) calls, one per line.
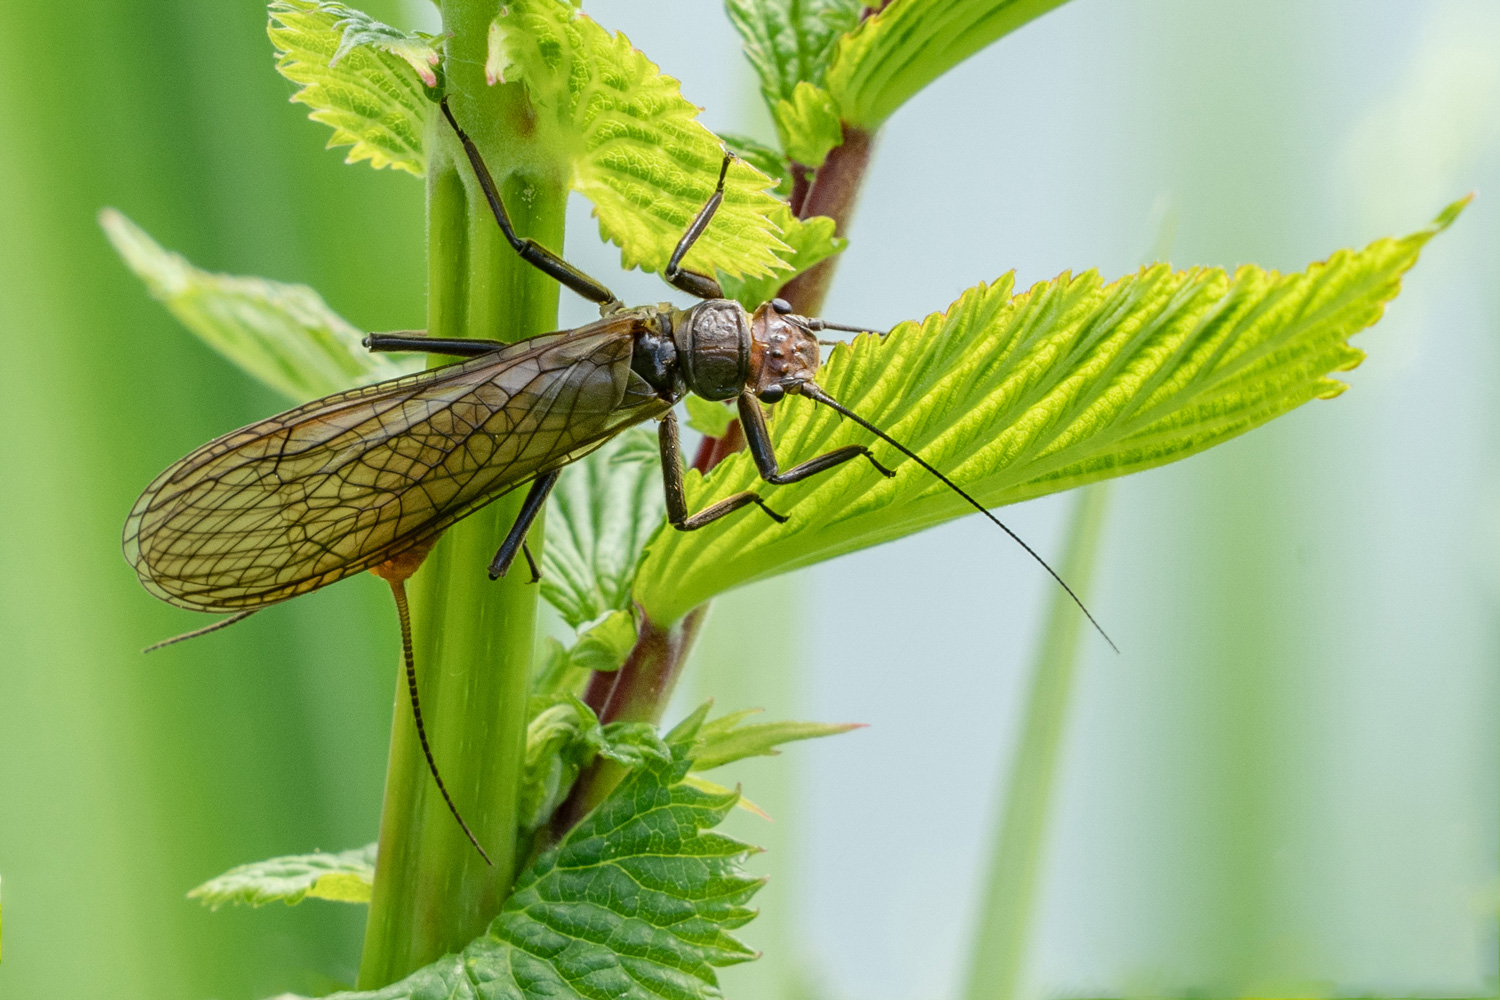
point(340, 484)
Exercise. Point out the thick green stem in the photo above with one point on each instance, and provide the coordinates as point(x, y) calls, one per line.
point(1009, 904)
point(474, 638)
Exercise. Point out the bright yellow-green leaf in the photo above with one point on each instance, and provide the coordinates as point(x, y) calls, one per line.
point(1016, 396)
point(763, 158)
point(808, 124)
point(284, 335)
point(346, 877)
point(634, 143)
point(882, 63)
point(363, 79)
point(811, 240)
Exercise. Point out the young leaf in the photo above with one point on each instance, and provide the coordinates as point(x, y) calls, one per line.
point(724, 740)
point(346, 877)
point(790, 41)
point(897, 52)
point(563, 739)
point(811, 240)
point(363, 79)
point(603, 509)
point(604, 647)
point(636, 148)
point(637, 902)
point(763, 158)
point(284, 335)
point(1016, 396)
point(808, 123)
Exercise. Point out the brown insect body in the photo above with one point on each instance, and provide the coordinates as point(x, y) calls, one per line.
point(354, 480)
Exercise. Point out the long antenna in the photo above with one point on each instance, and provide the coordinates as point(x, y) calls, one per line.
point(817, 395)
point(398, 591)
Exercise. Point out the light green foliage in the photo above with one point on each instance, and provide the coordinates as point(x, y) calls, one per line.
point(789, 41)
point(634, 143)
point(811, 240)
point(763, 158)
point(603, 509)
point(707, 417)
point(416, 49)
point(725, 740)
point(363, 79)
point(284, 335)
point(636, 903)
point(882, 63)
point(564, 738)
point(808, 123)
point(1016, 396)
point(345, 877)
point(605, 646)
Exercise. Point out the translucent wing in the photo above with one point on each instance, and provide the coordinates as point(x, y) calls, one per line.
point(343, 483)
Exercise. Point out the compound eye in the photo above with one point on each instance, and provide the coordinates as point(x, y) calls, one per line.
point(772, 394)
point(781, 305)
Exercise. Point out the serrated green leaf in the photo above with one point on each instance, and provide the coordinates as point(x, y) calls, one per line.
point(763, 158)
point(811, 240)
point(363, 79)
point(603, 509)
point(1017, 396)
point(791, 41)
point(636, 148)
point(416, 49)
point(284, 335)
point(636, 903)
point(724, 740)
point(808, 123)
point(893, 54)
point(346, 877)
point(707, 417)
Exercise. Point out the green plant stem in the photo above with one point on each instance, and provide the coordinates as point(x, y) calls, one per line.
point(474, 638)
point(1006, 910)
point(639, 691)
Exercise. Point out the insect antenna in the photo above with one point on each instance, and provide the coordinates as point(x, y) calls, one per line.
point(398, 591)
point(205, 630)
point(817, 395)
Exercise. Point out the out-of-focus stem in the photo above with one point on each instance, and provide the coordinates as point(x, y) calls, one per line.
point(473, 637)
point(1008, 906)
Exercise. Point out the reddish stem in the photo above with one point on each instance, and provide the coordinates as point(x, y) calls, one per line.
point(835, 187)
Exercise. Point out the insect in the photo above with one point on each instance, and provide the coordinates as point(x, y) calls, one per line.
point(370, 478)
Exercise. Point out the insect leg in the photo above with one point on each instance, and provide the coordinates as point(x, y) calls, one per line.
point(536, 571)
point(671, 473)
point(758, 439)
point(456, 346)
point(530, 250)
point(516, 538)
point(692, 282)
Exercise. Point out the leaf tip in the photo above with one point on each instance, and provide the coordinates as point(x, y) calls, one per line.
point(1448, 215)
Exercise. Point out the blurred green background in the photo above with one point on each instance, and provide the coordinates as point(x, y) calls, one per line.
point(1287, 783)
